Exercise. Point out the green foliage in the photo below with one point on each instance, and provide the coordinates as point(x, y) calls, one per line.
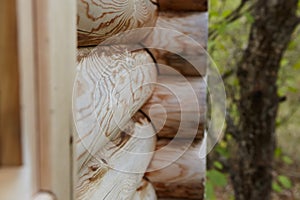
point(217, 178)
point(278, 152)
point(284, 158)
point(280, 183)
point(214, 178)
point(276, 187)
point(222, 151)
point(218, 165)
point(287, 160)
point(284, 181)
point(209, 190)
point(226, 44)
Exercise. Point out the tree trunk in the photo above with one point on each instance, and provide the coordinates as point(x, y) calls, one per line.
point(274, 23)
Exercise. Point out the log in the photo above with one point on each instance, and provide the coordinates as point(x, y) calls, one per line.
point(183, 177)
point(99, 20)
point(182, 5)
point(145, 191)
point(111, 85)
point(177, 107)
point(183, 46)
point(117, 170)
point(10, 125)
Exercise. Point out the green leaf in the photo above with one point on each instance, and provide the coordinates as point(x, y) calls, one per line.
point(292, 89)
point(278, 150)
point(285, 181)
point(287, 160)
point(217, 178)
point(209, 190)
point(249, 17)
point(218, 165)
point(284, 62)
point(222, 151)
point(297, 65)
point(276, 187)
point(226, 13)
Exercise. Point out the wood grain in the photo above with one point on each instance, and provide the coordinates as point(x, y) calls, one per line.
point(10, 130)
point(178, 106)
point(112, 84)
point(145, 191)
point(182, 47)
point(98, 20)
point(116, 171)
point(183, 178)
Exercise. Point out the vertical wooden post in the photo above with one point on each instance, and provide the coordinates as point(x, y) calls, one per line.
point(55, 54)
point(10, 143)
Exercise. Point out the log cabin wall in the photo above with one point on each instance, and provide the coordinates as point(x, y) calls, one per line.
point(183, 178)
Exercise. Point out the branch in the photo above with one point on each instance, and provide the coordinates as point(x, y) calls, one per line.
point(228, 74)
point(234, 15)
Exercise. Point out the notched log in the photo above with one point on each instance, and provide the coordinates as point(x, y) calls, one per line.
point(180, 42)
point(98, 21)
point(111, 85)
point(178, 107)
point(120, 176)
point(183, 177)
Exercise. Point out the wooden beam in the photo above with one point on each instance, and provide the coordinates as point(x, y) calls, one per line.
point(97, 22)
point(111, 85)
point(10, 128)
point(183, 177)
point(178, 107)
point(55, 31)
point(117, 170)
point(182, 47)
point(183, 5)
point(29, 177)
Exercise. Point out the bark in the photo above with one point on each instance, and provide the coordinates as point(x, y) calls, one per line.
point(274, 23)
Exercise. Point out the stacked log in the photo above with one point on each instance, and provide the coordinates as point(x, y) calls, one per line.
point(186, 35)
point(99, 20)
point(177, 170)
point(114, 142)
point(183, 177)
point(118, 154)
point(110, 88)
point(178, 103)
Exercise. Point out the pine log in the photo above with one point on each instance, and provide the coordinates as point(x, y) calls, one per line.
point(183, 46)
point(177, 107)
point(183, 177)
point(182, 5)
point(101, 19)
point(117, 170)
point(111, 85)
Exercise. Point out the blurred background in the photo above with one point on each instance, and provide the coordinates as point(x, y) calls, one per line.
point(230, 27)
